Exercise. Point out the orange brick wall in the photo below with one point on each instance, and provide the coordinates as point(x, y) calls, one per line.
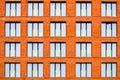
point(70, 40)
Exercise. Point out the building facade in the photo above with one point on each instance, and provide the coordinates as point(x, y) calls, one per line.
point(59, 39)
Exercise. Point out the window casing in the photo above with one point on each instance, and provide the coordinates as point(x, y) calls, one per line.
point(109, 49)
point(83, 29)
point(83, 9)
point(108, 70)
point(83, 49)
point(12, 70)
point(58, 29)
point(58, 70)
point(35, 49)
point(58, 50)
point(35, 70)
point(108, 9)
point(83, 70)
point(35, 29)
point(12, 29)
point(108, 29)
point(58, 9)
point(12, 49)
point(35, 9)
point(13, 9)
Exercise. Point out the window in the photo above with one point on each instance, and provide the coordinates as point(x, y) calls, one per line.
point(35, 9)
point(83, 29)
point(109, 29)
point(13, 9)
point(35, 70)
point(83, 49)
point(35, 49)
point(83, 9)
point(12, 70)
point(58, 49)
point(12, 49)
point(58, 9)
point(108, 49)
point(35, 29)
point(58, 70)
point(83, 70)
point(108, 70)
point(58, 29)
point(12, 29)
point(108, 9)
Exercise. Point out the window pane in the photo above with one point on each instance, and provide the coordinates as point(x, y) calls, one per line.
point(35, 50)
point(17, 70)
point(7, 50)
point(63, 9)
point(30, 9)
point(40, 70)
point(88, 9)
point(29, 50)
point(78, 9)
point(17, 29)
point(29, 29)
point(78, 50)
point(18, 9)
point(103, 70)
point(52, 29)
point(58, 52)
point(52, 9)
point(58, 29)
point(103, 50)
point(88, 49)
point(109, 12)
point(77, 29)
point(35, 71)
point(52, 70)
point(7, 29)
point(13, 9)
point(83, 10)
point(41, 9)
point(114, 29)
point(113, 9)
point(35, 29)
point(103, 29)
point(63, 70)
point(58, 70)
point(35, 10)
point(40, 29)
point(103, 9)
point(40, 50)
point(114, 49)
point(7, 9)
point(12, 70)
point(13, 29)
point(13, 51)
point(58, 9)
point(7, 70)
point(29, 70)
point(17, 50)
point(88, 70)
point(113, 70)
point(89, 29)
point(77, 70)
point(63, 32)
point(63, 47)
point(52, 49)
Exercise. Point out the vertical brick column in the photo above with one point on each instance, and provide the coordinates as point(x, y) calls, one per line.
point(2, 8)
point(24, 8)
point(46, 8)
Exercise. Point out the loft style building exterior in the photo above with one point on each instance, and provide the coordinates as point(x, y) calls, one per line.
point(59, 39)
